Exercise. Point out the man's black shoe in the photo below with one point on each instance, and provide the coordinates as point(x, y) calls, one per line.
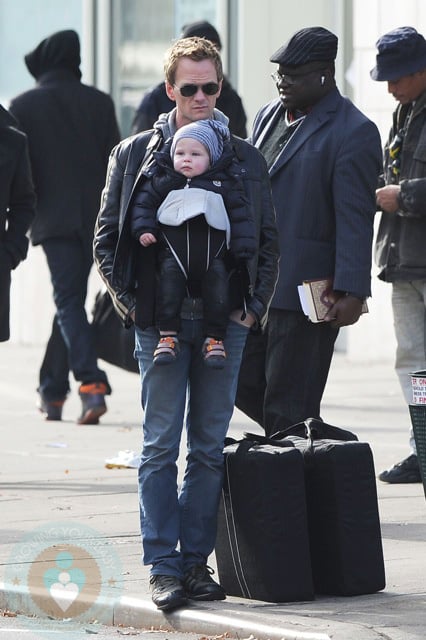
point(199, 584)
point(403, 472)
point(167, 592)
point(52, 409)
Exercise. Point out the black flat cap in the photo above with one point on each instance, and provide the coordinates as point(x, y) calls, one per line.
point(202, 29)
point(401, 52)
point(307, 45)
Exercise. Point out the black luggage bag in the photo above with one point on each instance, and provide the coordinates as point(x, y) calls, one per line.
point(343, 518)
point(262, 546)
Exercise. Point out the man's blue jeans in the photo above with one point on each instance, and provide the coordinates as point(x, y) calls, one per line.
point(179, 528)
point(71, 345)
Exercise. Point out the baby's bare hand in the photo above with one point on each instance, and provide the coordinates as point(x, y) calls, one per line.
point(146, 239)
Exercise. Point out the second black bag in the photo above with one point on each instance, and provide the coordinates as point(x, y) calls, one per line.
point(343, 516)
point(262, 546)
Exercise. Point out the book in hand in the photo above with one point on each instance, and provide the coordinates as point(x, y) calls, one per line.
point(314, 300)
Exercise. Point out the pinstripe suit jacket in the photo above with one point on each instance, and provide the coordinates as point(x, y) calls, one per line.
point(323, 185)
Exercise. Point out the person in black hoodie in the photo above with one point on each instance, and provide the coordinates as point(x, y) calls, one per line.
point(71, 130)
point(17, 204)
point(156, 101)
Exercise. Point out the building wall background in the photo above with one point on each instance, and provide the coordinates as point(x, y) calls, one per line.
point(262, 32)
point(23, 24)
point(122, 46)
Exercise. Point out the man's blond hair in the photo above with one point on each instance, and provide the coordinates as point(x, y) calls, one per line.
point(194, 48)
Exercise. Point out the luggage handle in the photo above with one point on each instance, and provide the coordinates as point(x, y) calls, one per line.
point(315, 429)
point(260, 439)
point(251, 439)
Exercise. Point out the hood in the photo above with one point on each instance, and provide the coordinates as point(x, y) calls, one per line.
point(181, 205)
point(59, 51)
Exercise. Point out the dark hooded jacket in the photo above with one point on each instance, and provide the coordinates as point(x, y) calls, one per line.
point(222, 178)
point(71, 130)
point(17, 202)
point(401, 238)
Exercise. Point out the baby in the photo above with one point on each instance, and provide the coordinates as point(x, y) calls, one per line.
point(182, 208)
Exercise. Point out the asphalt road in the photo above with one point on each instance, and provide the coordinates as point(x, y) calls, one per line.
point(53, 475)
point(23, 628)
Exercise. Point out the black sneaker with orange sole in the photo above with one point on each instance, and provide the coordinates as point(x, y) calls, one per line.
point(93, 402)
point(51, 409)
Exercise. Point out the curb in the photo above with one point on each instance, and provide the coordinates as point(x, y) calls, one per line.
point(206, 619)
point(143, 614)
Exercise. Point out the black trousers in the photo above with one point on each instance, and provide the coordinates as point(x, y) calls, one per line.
point(172, 289)
point(71, 345)
point(5, 281)
point(191, 264)
point(284, 371)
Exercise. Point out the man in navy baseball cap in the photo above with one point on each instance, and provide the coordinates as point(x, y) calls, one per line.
point(401, 52)
point(401, 196)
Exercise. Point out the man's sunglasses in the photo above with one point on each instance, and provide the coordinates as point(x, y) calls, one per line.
point(188, 90)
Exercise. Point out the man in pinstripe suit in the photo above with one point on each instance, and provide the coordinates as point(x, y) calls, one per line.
point(324, 157)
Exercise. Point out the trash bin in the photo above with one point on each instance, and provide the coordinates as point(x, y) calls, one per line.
point(418, 419)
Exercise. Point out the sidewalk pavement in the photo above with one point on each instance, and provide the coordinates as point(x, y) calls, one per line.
point(54, 474)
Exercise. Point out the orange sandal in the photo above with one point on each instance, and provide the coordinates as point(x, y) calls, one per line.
point(214, 353)
point(167, 350)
